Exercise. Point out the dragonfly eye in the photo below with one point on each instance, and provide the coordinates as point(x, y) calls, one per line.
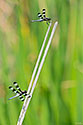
point(25, 91)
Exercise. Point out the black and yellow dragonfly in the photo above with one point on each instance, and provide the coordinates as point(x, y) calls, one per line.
point(42, 17)
point(19, 93)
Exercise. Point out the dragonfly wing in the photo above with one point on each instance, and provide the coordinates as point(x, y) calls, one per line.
point(17, 86)
point(21, 98)
point(43, 13)
point(40, 15)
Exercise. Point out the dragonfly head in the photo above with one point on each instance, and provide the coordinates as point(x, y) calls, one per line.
point(25, 91)
point(49, 19)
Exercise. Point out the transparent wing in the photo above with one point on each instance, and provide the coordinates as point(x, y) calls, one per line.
point(17, 86)
point(43, 13)
point(40, 15)
point(14, 90)
point(21, 98)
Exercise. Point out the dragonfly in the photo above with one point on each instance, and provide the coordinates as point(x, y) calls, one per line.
point(42, 17)
point(19, 93)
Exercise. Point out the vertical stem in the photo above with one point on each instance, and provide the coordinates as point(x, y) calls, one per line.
point(38, 59)
point(24, 108)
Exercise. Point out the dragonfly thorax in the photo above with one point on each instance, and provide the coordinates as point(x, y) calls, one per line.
point(47, 19)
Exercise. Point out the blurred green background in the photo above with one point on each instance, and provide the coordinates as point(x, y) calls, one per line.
point(58, 96)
